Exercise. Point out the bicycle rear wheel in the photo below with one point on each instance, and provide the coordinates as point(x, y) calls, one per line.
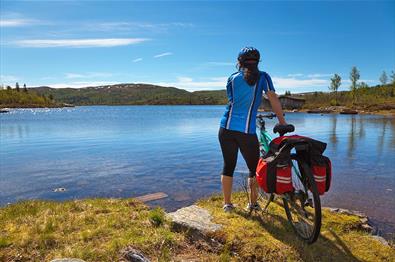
point(303, 206)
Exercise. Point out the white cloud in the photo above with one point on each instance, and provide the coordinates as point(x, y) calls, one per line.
point(319, 75)
point(16, 22)
point(163, 54)
point(295, 75)
point(127, 26)
point(78, 84)
point(137, 60)
point(292, 82)
point(6, 79)
point(88, 75)
point(190, 84)
point(220, 64)
point(78, 43)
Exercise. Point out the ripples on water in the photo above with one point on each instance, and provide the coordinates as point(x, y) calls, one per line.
point(125, 151)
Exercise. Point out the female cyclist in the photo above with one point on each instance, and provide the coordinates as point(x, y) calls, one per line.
point(238, 124)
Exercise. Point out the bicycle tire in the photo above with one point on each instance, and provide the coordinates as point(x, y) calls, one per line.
point(291, 203)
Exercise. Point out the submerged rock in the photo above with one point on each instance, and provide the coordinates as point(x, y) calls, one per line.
point(59, 189)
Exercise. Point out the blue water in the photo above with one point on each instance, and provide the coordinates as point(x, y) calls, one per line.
point(127, 151)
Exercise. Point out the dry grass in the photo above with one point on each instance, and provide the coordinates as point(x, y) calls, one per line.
point(269, 236)
point(97, 229)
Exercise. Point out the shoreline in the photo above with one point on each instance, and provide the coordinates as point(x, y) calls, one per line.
point(304, 110)
point(368, 224)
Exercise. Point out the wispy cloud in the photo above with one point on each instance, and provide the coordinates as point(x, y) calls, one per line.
point(295, 75)
point(163, 54)
point(88, 75)
point(17, 22)
point(137, 60)
point(128, 26)
point(8, 79)
point(79, 84)
point(191, 84)
point(220, 63)
point(319, 75)
point(293, 83)
point(79, 43)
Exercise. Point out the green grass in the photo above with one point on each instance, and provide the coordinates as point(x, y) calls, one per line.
point(270, 237)
point(98, 229)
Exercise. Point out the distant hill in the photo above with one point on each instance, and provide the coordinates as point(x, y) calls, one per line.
point(132, 94)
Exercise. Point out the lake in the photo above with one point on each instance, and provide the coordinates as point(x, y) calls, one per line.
point(127, 151)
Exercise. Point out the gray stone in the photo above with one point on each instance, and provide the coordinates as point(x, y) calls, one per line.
point(67, 260)
point(195, 218)
point(367, 228)
point(130, 254)
point(347, 212)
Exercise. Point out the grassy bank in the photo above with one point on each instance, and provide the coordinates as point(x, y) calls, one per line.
point(378, 99)
point(98, 229)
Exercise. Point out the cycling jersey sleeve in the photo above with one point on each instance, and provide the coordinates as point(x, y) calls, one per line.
point(269, 83)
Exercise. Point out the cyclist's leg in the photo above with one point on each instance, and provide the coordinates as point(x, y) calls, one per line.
point(249, 148)
point(229, 149)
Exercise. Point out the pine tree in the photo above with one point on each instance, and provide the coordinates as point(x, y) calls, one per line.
point(24, 88)
point(17, 86)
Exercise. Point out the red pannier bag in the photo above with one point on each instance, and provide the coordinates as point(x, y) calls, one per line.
point(273, 176)
point(321, 167)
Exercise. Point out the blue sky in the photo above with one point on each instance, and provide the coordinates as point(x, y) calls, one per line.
point(193, 44)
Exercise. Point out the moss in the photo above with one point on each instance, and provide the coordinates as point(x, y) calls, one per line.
point(97, 229)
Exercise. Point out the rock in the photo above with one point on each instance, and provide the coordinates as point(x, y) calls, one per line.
point(130, 254)
point(368, 228)
point(364, 220)
point(347, 212)
point(67, 260)
point(59, 189)
point(196, 222)
point(194, 217)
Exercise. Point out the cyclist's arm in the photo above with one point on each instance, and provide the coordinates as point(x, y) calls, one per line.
point(273, 99)
point(276, 106)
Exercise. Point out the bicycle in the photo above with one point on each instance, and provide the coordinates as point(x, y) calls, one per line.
point(302, 206)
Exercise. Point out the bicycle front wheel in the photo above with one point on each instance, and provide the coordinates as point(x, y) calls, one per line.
point(303, 206)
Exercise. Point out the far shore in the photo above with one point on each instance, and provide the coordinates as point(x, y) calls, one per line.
point(319, 110)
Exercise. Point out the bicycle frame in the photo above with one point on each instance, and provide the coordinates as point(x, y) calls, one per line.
point(264, 141)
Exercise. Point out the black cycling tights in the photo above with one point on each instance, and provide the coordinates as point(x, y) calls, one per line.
point(230, 142)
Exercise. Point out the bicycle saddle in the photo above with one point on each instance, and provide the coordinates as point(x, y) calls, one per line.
point(283, 129)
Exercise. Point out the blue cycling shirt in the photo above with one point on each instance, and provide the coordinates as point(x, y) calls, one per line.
point(243, 102)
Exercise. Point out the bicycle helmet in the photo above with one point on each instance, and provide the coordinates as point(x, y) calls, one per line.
point(248, 53)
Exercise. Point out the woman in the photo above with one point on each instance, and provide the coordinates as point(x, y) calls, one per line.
point(238, 124)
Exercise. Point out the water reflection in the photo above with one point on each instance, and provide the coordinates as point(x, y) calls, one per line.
point(351, 138)
point(333, 136)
